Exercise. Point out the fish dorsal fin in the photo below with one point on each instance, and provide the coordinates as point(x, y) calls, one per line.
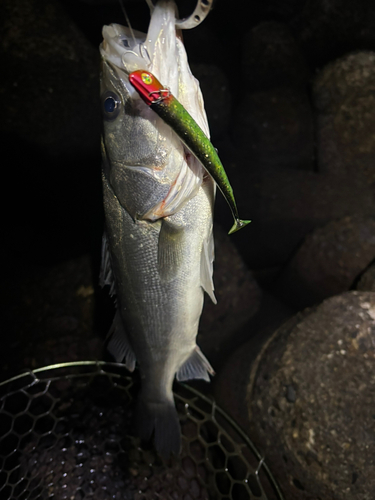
point(106, 275)
point(170, 249)
point(196, 366)
point(119, 345)
point(207, 260)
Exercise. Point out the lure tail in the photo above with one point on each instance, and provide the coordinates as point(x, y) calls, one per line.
point(160, 419)
point(238, 224)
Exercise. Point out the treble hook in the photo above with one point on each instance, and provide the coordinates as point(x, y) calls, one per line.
point(199, 14)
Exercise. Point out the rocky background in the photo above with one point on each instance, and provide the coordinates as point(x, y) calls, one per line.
point(289, 89)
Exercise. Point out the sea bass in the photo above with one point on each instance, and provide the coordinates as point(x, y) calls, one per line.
point(158, 247)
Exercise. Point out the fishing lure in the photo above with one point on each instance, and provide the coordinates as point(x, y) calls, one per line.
point(172, 112)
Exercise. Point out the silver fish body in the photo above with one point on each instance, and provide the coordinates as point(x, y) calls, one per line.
point(158, 247)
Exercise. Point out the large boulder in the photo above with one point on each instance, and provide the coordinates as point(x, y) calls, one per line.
point(310, 399)
point(271, 58)
point(344, 98)
point(329, 261)
point(326, 29)
point(273, 122)
point(49, 93)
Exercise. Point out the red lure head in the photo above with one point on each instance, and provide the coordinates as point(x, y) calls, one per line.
point(148, 86)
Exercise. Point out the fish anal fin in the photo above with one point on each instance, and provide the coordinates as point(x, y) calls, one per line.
point(207, 258)
point(196, 366)
point(170, 250)
point(118, 345)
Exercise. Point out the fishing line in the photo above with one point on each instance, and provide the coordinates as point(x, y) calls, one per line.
point(127, 20)
point(150, 4)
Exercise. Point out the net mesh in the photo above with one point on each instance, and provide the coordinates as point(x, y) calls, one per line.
point(66, 433)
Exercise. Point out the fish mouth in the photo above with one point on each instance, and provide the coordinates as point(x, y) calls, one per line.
point(122, 50)
point(131, 50)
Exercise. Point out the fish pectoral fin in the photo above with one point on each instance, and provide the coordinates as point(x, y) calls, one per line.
point(118, 345)
point(196, 366)
point(106, 275)
point(207, 259)
point(170, 250)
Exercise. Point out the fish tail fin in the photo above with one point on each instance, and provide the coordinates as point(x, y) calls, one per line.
point(160, 419)
point(238, 224)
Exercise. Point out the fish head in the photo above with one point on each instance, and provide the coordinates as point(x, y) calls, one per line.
point(132, 132)
point(141, 152)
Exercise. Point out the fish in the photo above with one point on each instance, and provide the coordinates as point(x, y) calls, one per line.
point(158, 249)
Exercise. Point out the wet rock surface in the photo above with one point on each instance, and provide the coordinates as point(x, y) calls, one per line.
point(276, 127)
point(327, 29)
point(344, 99)
point(329, 261)
point(310, 396)
point(273, 117)
point(271, 57)
point(231, 383)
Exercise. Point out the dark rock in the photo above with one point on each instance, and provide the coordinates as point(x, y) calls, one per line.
point(50, 91)
point(230, 384)
point(50, 315)
point(238, 299)
point(315, 445)
point(273, 120)
point(287, 205)
point(344, 98)
point(49, 96)
point(275, 128)
point(217, 97)
point(272, 58)
point(327, 29)
point(366, 282)
point(328, 261)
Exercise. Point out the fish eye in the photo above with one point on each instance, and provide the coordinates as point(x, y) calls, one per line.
point(111, 105)
point(125, 43)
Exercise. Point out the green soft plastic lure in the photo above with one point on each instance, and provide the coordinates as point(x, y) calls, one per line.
point(175, 115)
